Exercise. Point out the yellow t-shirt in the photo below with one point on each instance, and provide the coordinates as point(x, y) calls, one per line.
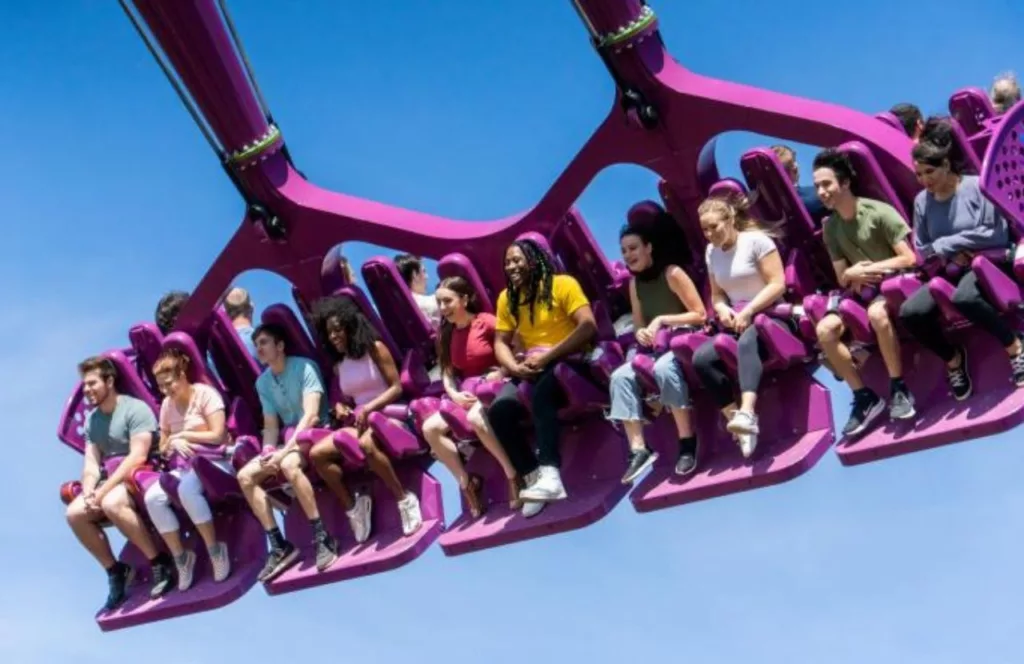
point(550, 325)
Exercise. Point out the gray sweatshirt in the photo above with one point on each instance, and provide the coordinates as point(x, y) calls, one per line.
point(967, 221)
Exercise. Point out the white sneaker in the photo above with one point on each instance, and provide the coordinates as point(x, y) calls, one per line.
point(743, 422)
point(221, 561)
point(748, 443)
point(533, 509)
point(409, 510)
point(531, 478)
point(186, 566)
point(360, 518)
point(547, 487)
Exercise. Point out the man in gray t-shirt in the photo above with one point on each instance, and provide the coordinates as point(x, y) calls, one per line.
point(119, 436)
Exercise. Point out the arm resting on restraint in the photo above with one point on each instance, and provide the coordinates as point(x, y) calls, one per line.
point(686, 291)
point(386, 365)
point(770, 267)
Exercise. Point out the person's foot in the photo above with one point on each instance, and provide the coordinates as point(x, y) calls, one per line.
point(409, 511)
point(473, 493)
point(959, 378)
point(278, 561)
point(326, 552)
point(360, 518)
point(221, 561)
point(119, 578)
point(185, 564)
point(686, 463)
point(163, 576)
point(515, 485)
point(901, 404)
point(548, 486)
point(867, 407)
point(639, 461)
point(533, 509)
point(743, 422)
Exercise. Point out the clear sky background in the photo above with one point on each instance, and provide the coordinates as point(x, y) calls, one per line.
point(471, 109)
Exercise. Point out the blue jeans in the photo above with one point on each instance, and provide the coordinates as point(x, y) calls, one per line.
point(627, 399)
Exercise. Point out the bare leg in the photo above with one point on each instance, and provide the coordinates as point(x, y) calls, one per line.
point(888, 342)
point(483, 430)
point(83, 522)
point(748, 402)
point(634, 434)
point(249, 479)
point(683, 420)
point(117, 505)
point(830, 336)
point(291, 468)
point(207, 532)
point(380, 464)
point(327, 461)
point(173, 541)
point(435, 431)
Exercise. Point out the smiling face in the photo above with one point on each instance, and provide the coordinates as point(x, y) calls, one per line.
point(636, 254)
point(516, 268)
point(827, 186)
point(172, 385)
point(933, 178)
point(336, 334)
point(95, 389)
point(451, 305)
point(718, 228)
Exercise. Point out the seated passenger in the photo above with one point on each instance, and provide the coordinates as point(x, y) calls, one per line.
point(415, 276)
point(808, 196)
point(347, 270)
point(238, 306)
point(866, 240)
point(954, 220)
point(911, 118)
point(747, 277)
point(291, 393)
point(191, 415)
point(662, 295)
point(120, 426)
point(367, 375)
point(554, 321)
point(168, 308)
point(1005, 92)
point(466, 350)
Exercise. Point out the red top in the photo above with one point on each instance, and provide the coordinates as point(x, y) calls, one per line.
point(472, 347)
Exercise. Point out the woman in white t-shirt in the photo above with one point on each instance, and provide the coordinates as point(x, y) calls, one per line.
point(414, 273)
point(192, 417)
point(746, 275)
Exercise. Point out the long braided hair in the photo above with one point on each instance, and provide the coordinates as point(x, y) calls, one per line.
point(537, 286)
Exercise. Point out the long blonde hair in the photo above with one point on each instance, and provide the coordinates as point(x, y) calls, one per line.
point(734, 208)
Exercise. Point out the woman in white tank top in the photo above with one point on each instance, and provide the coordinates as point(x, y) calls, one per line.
point(367, 375)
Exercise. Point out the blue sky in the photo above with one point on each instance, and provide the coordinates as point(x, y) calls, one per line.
point(462, 109)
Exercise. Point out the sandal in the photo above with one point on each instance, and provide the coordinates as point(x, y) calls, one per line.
point(515, 485)
point(472, 493)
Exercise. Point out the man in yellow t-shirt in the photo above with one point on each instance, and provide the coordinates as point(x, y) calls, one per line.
point(553, 319)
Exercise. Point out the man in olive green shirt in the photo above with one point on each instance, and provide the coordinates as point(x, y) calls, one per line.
point(866, 240)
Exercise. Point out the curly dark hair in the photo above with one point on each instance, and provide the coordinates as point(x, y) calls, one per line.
point(460, 287)
point(168, 308)
point(540, 274)
point(360, 335)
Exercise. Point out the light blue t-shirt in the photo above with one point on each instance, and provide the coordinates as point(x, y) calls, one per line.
point(281, 395)
point(245, 334)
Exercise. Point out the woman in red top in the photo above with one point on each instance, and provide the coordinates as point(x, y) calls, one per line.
point(465, 350)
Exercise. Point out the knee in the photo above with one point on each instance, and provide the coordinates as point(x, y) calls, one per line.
point(829, 330)
point(291, 466)
point(704, 357)
point(666, 368)
point(435, 426)
point(247, 475)
point(322, 452)
point(115, 501)
point(367, 443)
point(476, 417)
point(878, 316)
point(156, 498)
point(964, 298)
point(622, 376)
point(76, 511)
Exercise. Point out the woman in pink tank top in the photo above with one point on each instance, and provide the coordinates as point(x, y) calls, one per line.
point(466, 350)
point(367, 375)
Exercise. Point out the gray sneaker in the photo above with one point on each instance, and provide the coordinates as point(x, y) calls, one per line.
point(901, 405)
point(326, 553)
point(185, 565)
point(221, 561)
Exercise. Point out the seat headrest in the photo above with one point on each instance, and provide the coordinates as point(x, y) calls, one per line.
point(197, 370)
point(644, 212)
point(459, 265)
point(129, 382)
point(396, 304)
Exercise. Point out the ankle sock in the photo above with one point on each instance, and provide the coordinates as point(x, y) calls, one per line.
point(319, 534)
point(897, 385)
point(276, 539)
point(688, 445)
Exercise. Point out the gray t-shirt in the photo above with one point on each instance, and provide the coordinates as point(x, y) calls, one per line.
point(735, 271)
point(967, 221)
point(112, 433)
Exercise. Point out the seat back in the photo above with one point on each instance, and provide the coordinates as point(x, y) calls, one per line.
point(869, 181)
point(779, 206)
point(235, 366)
point(972, 163)
point(891, 120)
point(1002, 177)
point(408, 326)
point(576, 246)
point(198, 372)
point(146, 340)
point(545, 246)
point(459, 265)
point(972, 108)
point(333, 275)
point(728, 188)
point(297, 342)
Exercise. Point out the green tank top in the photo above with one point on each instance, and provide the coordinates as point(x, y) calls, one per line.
point(657, 299)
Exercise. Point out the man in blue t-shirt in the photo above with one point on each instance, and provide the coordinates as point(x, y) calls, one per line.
point(238, 306)
point(808, 195)
point(293, 399)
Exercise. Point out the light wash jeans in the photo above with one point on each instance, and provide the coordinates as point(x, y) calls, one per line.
point(626, 397)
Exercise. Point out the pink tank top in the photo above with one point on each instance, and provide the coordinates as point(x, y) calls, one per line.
point(360, 379)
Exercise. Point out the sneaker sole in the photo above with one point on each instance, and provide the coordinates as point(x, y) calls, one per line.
point(970, 384)
point(689, 471)
point(869, 418)
point(741, 430)
point(281, 566)
point(324, 566)
point(192, 577)
point(629, 478)
point(542, 498)
point(909, 415)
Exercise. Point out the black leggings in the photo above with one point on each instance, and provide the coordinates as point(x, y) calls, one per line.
point(921, 317)
point(712, 371)
point(506, 415)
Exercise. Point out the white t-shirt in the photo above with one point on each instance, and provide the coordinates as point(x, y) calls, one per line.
point(428, 305)
point(735, 271)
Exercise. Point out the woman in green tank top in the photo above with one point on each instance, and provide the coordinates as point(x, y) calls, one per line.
point(662, 295)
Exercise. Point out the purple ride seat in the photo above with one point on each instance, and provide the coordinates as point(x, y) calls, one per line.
point(794, 409)
point(387, 548)
point(576, 246)
point(145, 339)
point(972, 161)
point(408, 326)
point(459, 265)
point(996, 404)
point(235, 366)
point(891, 120)
point(973, 110)
point(593, 456)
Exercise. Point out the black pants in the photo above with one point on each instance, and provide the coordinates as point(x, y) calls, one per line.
point(921, 317)
point(506, 415)
point(750, 365)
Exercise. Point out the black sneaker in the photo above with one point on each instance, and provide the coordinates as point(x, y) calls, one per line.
point(119, 579)
point(686, 463)
point(163, 578)
point(867, 406)
point(639, 461)
point(1017, 369)
point(959, 379)
point(278, 561)
point(901, 405)
point(326, 552)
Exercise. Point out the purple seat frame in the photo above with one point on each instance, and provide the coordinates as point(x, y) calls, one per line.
point(408, 326)
point(459, 265)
